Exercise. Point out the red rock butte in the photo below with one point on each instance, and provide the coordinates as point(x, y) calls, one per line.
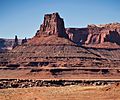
point(52, 25)
point(92, 35)
point(66, 53)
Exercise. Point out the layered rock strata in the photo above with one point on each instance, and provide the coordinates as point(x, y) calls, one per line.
point(77, 35)
point(104, 33)
point(53, 24)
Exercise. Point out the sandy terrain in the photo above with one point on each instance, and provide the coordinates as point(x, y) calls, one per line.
point(63, 93)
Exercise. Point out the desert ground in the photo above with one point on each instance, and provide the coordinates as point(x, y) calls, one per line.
point(72, 92)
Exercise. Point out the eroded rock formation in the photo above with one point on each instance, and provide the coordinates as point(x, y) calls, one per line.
point(15, 42)
point(24, 41)
point(52, 25)
point(77, 35)
point(104, 33)
point(48, 56)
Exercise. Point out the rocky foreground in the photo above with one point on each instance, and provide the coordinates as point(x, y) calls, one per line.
point(110, 92)
point(27, 83)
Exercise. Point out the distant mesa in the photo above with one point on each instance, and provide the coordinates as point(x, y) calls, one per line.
point(104, 33)
point(8, 44)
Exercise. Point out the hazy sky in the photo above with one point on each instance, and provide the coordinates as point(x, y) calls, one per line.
point(23, 17)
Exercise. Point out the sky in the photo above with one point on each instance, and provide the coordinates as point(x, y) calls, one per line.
point(23, 17)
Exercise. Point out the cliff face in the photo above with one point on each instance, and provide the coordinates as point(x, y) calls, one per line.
point(95, 34)
point(52, 25)
point(77, 35)
point(104, 33)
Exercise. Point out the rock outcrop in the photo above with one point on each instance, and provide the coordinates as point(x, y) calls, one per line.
point(52, 25)
point(77, 35)
point(24, 41)
point(104, 33)
point(27, 83)
point(15, 42)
